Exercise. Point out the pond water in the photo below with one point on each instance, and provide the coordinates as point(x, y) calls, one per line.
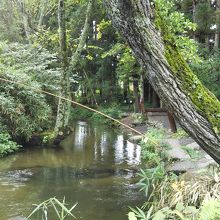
point(95, 167)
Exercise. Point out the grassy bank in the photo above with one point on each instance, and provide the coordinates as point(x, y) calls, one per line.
point(189, 196)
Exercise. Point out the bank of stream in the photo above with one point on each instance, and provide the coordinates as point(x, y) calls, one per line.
point(96, 167)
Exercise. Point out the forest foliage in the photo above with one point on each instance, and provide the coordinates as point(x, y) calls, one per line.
point(107, 71)
point(106, 77)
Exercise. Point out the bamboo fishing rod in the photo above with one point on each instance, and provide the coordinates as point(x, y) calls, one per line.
point(74, 102)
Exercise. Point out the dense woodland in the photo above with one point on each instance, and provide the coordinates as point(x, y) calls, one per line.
point(78, 50)
point(74, 51)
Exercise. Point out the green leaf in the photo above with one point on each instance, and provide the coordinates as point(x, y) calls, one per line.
point(159, 216)
point(131, 216)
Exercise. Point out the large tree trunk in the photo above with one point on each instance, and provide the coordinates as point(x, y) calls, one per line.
point(196, 108)
point(207, 43)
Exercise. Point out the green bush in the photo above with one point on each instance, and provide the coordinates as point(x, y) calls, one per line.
point(7, 146)
point(24, 111)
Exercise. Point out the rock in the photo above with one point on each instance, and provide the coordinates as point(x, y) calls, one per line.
point(135, 139)
point(176, 152)
point(186, 141)
point(193, 146)
point(189, 165)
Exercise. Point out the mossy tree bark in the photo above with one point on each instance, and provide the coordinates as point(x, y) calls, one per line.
point(197, 110)
point(63, 106)
point(68, 68)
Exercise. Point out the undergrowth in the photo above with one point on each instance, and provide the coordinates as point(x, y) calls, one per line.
point(170, 197)
point(7, 146)
point(154, 147)
point(112, 111)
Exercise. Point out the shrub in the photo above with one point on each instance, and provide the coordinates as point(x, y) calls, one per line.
point(7, 146)
point(24, 111)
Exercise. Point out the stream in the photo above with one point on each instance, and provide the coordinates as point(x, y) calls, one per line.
point(96, 167)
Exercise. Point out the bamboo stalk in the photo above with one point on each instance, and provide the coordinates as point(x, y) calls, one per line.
point(76, 103)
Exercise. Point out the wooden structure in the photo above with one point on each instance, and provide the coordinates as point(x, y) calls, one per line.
point(171, 119)
point(152, 98)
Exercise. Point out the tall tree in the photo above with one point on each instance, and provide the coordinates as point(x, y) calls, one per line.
point(68, 68)
point(63, 106)
point(146, 31)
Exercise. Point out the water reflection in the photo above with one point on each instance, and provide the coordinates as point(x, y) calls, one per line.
point(95, 167)
point(103, 145)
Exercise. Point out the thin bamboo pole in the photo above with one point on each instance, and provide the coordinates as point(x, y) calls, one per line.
point(76, 103)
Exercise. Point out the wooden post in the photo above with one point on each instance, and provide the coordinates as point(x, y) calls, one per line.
point(172, 122)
